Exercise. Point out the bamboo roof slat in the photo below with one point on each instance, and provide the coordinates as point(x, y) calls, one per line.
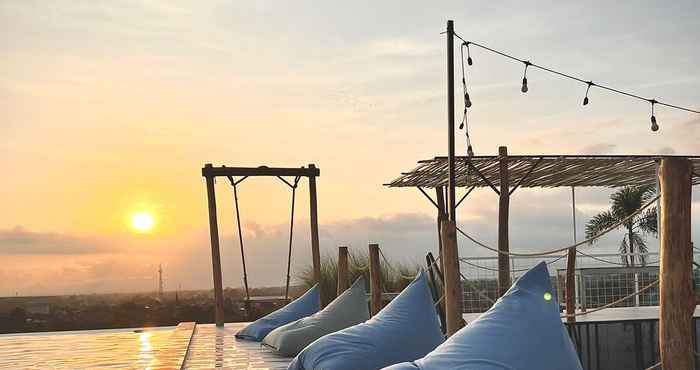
point(549, 171)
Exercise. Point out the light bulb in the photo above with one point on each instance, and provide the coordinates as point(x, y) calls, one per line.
point(585, 98)
point(654, 125)
point(467, 101)
point(469, 60)
point(524, 88)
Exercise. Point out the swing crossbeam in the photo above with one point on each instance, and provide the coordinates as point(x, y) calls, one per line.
point(224, 171)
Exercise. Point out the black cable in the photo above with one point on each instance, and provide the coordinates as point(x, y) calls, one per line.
point(588, 83)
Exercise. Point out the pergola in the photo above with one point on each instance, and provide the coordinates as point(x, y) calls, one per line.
point(504, 174)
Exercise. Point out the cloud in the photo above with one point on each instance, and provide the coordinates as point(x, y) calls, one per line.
point(18, 241)
point(599, 148)
point(401, 47)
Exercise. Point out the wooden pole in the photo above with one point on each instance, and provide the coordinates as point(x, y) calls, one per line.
point(215, 254)
point(676, 300)
point(315, 251)
point(571, 267)
point(503, 209)
point(342, 269)
point(375, 280)
point(451, 201)
point(453, 282)
point(442, 215)
point(571, 285)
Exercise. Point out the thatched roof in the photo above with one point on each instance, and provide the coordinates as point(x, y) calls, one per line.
point(541, 171)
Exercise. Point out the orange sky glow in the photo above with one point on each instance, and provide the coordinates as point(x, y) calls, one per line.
point(108, 110)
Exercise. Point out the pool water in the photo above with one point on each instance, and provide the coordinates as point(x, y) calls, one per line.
point(158, 348)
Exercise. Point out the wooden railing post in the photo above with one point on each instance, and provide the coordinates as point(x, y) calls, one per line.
point(676, 299)
point(453, 282)
point(342, 269)
point(503, 210)
point(215, 254)
point(315, 251)
point(375, 280)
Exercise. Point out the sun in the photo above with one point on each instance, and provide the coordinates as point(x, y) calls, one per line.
point(142, 222)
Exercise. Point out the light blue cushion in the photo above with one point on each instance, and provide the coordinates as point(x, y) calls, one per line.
point(350, 308)
point(307, 304)
point(522, 331)
point(405, 330)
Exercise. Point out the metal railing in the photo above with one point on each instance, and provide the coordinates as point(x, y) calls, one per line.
point(600, 278)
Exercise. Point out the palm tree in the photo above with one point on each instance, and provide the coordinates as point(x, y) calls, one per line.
point(624, 203)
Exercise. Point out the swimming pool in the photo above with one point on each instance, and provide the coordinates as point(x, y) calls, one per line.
point(149, 348)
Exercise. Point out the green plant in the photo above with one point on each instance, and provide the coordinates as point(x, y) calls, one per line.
point(394, 278)
point(624, 203)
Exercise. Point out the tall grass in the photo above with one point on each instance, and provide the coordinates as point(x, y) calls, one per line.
point(394, 279)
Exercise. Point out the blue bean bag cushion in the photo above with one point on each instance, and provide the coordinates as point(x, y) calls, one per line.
point(350, 308)
point(522, 331)
point(405, 330)
point(307, 304)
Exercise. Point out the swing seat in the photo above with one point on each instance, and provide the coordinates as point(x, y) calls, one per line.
point(405, 330)
point(350, 308)
point(308, 304)
point(521, 331)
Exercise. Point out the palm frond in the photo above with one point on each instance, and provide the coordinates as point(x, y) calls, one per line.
point(600, 223)
point(647, 222)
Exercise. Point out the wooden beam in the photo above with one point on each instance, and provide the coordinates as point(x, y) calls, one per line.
point(342, 270)
point(452, 280)
point(429, 198)
point(466, 195)
point(483, 178)
point(375, 280)
point(210, 171)
point(315, 251)
point(676, 299)
point(532, 168)
point(215, 254)
point(503, 210)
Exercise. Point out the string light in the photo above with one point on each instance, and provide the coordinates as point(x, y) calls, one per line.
point(467, 100)
point(469, 57)
point(585, 99)
point(654, 125)
point(589, 84)
point(524, 87)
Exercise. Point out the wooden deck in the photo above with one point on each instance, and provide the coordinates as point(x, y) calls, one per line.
point(213, 347)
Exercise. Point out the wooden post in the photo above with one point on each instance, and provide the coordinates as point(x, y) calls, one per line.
point(375, 280)
point(453, 282)
point(676, 300)
point(342, 269)
point(442, 215)
point(571, 285)
point(571, 266)
point(215, 255)
point(503, 209)
point(315, 251)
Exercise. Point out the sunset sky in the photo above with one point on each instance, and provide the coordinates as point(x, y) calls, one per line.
point(108, 109)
